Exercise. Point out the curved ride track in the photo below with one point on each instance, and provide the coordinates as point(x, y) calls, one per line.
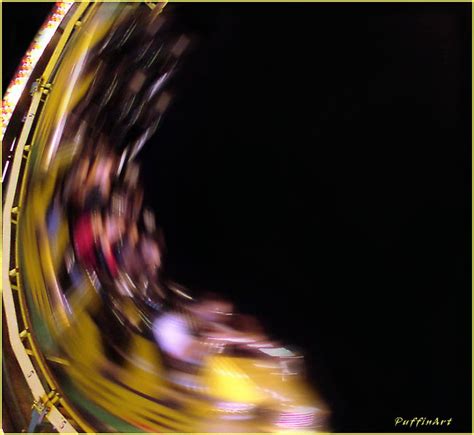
point(92, 68)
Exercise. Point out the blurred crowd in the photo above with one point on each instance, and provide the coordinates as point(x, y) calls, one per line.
point(115, 236)
point(116, 239)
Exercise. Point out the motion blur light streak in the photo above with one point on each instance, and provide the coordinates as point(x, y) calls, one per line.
point(106, 326)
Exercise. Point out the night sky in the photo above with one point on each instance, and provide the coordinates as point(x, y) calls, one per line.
point(315, 167)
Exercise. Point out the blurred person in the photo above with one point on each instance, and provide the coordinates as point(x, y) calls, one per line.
point(84, 236)
point(110, 231)
point(249, 326)
point(127, 202)
point(132, 176)
point(135, 203)
point(151, 254)
point(129, 248)
point(98, 184)
point(143, 267)
point(128, 255)
point(149, 221)
point(181, 336)
point(73, 192)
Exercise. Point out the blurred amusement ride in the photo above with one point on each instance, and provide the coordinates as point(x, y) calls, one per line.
point(95, 338)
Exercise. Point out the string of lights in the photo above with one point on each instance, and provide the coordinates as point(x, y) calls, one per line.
point(29, 61)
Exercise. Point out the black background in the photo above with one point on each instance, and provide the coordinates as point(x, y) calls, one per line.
point(315, 167)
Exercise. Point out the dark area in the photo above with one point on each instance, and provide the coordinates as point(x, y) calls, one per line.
point(19, 26)
point(315, 167)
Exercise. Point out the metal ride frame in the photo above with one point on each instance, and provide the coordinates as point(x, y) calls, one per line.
point(48, 402)
point(40, 134)
point(44, 389)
